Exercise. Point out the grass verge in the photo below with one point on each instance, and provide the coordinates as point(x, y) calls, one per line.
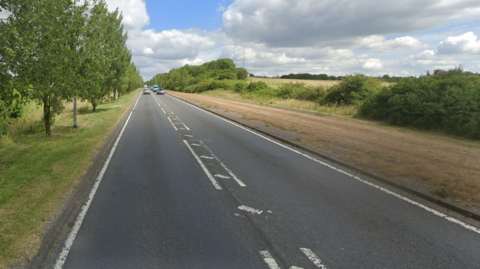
point(37, 173)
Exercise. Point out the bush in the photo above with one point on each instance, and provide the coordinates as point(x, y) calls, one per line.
point(448, 101)
point(211, 85)
point(353, 89)
point(256, 86)
point(241, 73)
point(240, 87)
point(227, 74)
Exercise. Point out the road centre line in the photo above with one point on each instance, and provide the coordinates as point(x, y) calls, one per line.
point(163, 111)
point(81, 216)
point(269, 260)
point(207, 157)
point(172, 124)
point(205, 170)
point(314, 258)
point(410, 201)
point(239, 182)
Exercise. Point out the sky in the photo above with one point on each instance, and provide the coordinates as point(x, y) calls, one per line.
point(277, 37)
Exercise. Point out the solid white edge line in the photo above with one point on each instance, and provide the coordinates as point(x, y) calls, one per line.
point(428, 209)
point(239, 182)
point(134, 106)
point(214, 182)
point(314, 258)
point(78, 222)
point(269, 260)
point(172, 124)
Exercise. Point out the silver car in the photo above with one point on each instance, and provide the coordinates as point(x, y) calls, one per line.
point(146, 91)
point(160, 91)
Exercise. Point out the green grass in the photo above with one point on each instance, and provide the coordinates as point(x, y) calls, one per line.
point(37, 173)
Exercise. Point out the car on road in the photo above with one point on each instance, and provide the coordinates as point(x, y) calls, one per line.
point(146, 91)
point(160, 91)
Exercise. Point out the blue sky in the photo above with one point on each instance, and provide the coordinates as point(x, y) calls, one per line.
point(184, 14)
point(373, 37)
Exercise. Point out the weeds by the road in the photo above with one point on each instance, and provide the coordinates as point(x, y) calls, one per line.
point(37, 173)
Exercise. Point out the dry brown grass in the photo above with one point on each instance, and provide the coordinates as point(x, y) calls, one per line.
point(277, 82)
point(420, 160)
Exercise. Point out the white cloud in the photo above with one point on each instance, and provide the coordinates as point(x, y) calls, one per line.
point(293, 23)
point(380, 44)
point(467, 43)
point(373, 64)
point(171, 45)
point(134, 13)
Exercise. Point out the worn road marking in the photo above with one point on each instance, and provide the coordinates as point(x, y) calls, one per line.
point(196, 145)
point(206, 157)
point(295, 267)
point(172, 124)
point(269, 260)
point(314, 258)
point(205, 170)
point(163, 110)
point(239, 182)
point(410, 201)
point(249, 209)
point(221, 176)
point(188, 135)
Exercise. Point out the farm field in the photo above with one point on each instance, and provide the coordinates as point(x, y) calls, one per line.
point(276, 82)
point(429, 162)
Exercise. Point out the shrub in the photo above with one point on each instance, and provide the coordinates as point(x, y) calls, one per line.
point(447, 101)
point(256, 86)
point(240, 87)
point(309, 93)
point(241, 73)
point(211, 85)
point(352, 90)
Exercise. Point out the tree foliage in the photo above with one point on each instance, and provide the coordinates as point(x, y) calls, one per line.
point(447, 101)
point(50, 50)
point(191, 78)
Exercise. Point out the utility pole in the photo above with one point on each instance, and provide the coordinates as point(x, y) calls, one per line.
point(74, 111)
point(244, 59)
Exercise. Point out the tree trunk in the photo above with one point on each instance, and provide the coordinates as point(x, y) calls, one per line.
point(46, 116)
point(94, 107)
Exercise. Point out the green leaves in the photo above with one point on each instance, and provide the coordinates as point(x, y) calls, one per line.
point(54, 49)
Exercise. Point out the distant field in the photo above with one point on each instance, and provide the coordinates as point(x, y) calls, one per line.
point(276, 82)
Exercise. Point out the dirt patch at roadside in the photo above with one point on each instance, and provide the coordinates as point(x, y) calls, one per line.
point(427, 163)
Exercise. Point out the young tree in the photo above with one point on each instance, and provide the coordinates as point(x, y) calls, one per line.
point(40, 48)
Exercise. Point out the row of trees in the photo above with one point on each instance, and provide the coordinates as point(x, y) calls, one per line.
point(191, 78)
point(53, 50)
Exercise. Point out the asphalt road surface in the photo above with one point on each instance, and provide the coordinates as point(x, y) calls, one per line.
point(187, 189)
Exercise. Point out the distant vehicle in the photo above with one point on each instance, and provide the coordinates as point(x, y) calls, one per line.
point(155, 88)
point(160, 91)
point(146, 91)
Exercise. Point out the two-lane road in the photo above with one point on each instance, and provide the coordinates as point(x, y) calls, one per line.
point(187, 189)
